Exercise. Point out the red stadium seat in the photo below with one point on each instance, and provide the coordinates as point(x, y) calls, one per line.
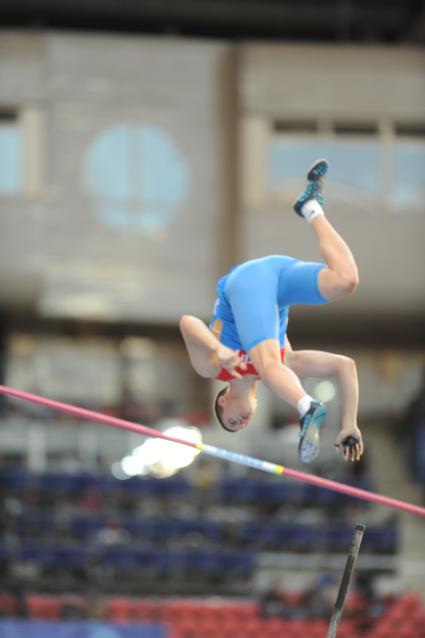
point(410, 601)
point(382, 632)
point(126, 610)
point(409, 632)
point(205, 613)
point(168, 611)
point(247, 611)
point(185, 627)
point(229, 626)
point(118, 609)
point(274, 628)
point(259, 626)
point(211, 633)
point(274, 625)
point(419, 624)
point(8, 605)
point(43, 607)
point(227, 613)
point(345, 630)
point(403, 630)
point(146, 609)
point(318, 629)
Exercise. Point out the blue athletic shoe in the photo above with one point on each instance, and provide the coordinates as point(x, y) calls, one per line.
point(311, 424)
point(315, 178)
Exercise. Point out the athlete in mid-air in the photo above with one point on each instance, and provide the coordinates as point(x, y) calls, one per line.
point(246, 339)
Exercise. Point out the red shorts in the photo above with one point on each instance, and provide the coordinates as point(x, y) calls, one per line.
point(225, 375)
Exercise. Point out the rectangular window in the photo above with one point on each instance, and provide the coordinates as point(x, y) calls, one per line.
point(410, 129)
point(408, 167)
point(11, 153)
point(408, 184)
point(355, 129)
point(378, 165)
point(294, 126)
point(353, 152)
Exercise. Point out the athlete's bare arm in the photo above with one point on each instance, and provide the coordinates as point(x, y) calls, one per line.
point(314, 363)
point(207, 355)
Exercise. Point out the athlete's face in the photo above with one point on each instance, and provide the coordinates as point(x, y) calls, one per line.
point(237, 411)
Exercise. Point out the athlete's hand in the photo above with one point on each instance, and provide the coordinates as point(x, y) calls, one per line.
point(229, 359)
point(351, 442)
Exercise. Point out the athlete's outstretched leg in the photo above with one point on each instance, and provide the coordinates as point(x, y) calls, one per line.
point(285, 384)
point(341, 277)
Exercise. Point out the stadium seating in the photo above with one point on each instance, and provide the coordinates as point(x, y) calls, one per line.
point(211, 618)
point(43, 607)
point(61, 528)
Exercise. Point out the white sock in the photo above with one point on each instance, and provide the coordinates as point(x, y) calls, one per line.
point(304, 404)
point(311, 210)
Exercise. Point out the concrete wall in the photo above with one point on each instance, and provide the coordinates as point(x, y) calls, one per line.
point(91, 238)
point(327, 84)
point(95, 238)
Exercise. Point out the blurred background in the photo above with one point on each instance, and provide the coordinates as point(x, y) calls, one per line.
point(145, 147)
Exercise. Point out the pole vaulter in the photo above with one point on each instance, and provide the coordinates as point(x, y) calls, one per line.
point(227, 455)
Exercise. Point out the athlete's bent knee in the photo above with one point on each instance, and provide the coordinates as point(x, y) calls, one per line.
point(334, 285)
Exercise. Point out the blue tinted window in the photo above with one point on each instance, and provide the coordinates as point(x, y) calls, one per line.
point(354, 163)
point(408, 183)
point(11, 173)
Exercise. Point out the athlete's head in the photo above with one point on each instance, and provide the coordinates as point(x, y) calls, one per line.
point(234, 412)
